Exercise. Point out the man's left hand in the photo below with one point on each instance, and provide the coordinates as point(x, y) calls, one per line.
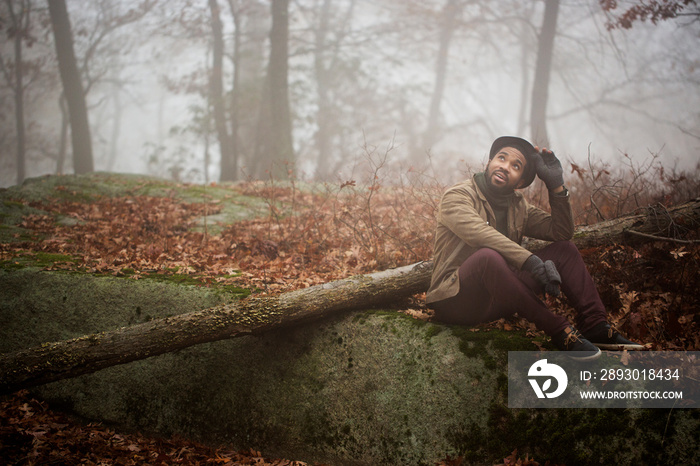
point(548, 168)
point(545, 272)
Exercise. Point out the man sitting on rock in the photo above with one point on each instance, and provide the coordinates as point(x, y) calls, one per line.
point(482, 273)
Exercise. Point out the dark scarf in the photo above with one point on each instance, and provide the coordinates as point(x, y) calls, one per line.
point(499, 202)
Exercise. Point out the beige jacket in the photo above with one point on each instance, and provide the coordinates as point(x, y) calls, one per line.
point(463, 227)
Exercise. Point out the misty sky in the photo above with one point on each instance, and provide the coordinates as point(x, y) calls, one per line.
point(612, 92)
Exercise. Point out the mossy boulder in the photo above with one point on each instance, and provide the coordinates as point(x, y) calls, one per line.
point(374, 387)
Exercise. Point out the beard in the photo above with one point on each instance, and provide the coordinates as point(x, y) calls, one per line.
point(499, 189)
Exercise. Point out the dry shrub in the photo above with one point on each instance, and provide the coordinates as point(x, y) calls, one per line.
point(385, 219)
point(601, 191)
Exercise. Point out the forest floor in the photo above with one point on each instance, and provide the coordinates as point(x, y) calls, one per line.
point(299, 238)
point(31, 433)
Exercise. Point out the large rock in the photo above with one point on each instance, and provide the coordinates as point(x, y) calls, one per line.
point(362, 388)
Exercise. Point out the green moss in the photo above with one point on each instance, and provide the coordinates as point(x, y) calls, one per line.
point(433, 330)
point(428, 329)
point(389, 315)
point(235, 290)
point(61, 193)
point(475, 344)
point(562, 436)
point(11, 265)
point(568, 436)
point(38, 259)
point(12, 204)
point(179, 279)
point(15, 234)
point(79, 188)
point(12, 212)
point(505, 340)
point(44, 259)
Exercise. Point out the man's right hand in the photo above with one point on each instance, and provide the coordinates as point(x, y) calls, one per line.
point(545, 273)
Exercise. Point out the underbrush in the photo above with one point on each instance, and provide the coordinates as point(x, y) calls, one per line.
point(603, 191)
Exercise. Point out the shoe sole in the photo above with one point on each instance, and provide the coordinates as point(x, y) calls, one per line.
point(591, 357)
point(619, 347)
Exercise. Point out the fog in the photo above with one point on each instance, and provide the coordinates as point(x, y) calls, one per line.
point(363, 73)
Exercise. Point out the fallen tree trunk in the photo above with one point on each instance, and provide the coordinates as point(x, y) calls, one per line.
point(655, 222)
point(71, 358)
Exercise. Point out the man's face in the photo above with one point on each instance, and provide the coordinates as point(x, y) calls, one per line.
point(505, 170)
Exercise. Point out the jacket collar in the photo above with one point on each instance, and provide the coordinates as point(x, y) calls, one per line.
point(517, 195)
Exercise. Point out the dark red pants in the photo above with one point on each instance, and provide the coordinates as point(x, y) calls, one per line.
point(490, 289)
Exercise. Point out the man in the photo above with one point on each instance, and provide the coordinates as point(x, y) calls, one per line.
point(481, 273)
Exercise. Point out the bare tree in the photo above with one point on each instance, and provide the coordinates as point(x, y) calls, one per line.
point(216, 94)
point(337, 46)
point(72, 87)
point(27, 75)
point(103, 51)
point(543, 69)
point(18, 31)
point(274, 147)
point(322, 71)
point(449, 22)
point(247, 57)
point(232, 166)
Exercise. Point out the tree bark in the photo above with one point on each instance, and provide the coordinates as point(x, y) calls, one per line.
point(216, 94)
point(274, 145)
point(655, 222)
point(236, 93)
point(448, 25)
point(20, 23)
point(323, 86)
point(543, 70)
point(87, 354)
point(278, 70)
point(63, 141)
point(72, 87)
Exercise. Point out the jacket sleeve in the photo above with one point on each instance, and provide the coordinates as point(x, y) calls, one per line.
point(557, 226)
point(458, 213)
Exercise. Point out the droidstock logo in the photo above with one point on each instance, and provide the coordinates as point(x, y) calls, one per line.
point(544, 371)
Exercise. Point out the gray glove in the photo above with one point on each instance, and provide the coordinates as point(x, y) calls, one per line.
point(545, 273)
point(548, 168)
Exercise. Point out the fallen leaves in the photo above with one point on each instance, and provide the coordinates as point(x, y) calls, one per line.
point(511, 460)
point(306, 238)
point(650, 292)
point(32, 434)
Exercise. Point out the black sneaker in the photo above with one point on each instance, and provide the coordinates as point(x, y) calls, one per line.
point(571, 340)
point(606, 337)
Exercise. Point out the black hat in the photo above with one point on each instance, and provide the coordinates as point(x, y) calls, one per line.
point(525, 148)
